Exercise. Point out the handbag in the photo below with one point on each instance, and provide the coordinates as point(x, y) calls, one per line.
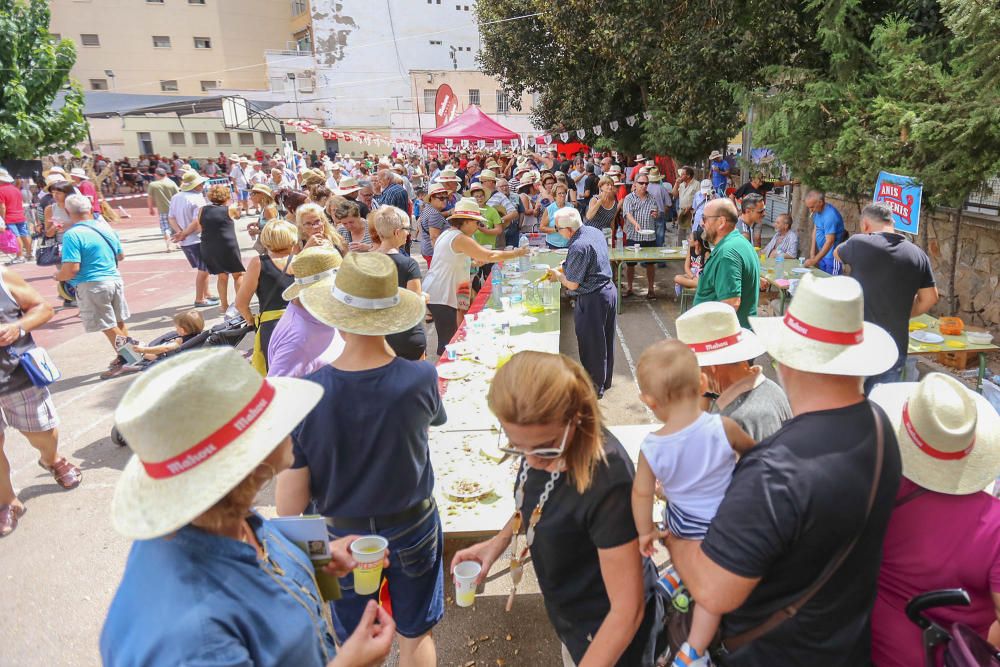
point(9, 243)
point(39, 366)
point(49, 255)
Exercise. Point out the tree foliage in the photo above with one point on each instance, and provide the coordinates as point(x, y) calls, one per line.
point(33, 70)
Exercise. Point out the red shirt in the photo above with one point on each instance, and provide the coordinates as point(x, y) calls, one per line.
point(87, 189)
point(11, 198)
point(935, 541)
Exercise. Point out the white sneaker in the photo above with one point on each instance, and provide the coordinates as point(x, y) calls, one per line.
point(688, 657)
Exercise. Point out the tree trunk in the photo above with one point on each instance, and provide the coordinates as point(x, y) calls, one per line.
point(953, 301)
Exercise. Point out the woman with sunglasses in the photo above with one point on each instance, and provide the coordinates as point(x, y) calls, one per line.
point(431, 221)
point(572, 514)
point(393, 227)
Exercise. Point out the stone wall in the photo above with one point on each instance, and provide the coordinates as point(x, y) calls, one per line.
point(974, 295)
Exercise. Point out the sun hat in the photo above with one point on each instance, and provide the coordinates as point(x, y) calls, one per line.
point(346, 186)
point(714, 155)
point(530, 178)
point(948, 435)
point(5, 176)
point(336, 166)
point(313, 267)
point(449, 174)
point(398, 167)
point(713, 333)
point(365, 298)
point(614, 169)
point(640, 158)
point(467, 207)
point(264, 190)
point(235, 158)
point(824, 331)
point(487, 175)
point(436, 189)
point(706, 186)
point(244, 158)
point(190, 180)
point(54, 179)
point(78, 172)
point(492, 164)
point(311, 177)
point(191, 448)
point(56, 169)
point(654, 175)
point(477, 186)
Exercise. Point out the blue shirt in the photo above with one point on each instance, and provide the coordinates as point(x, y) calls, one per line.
point(395, 195)
point(555, 238)
point(365, 442)
point(194, 598)
point(828, 221)
point(719, 180)
point(587, 262)
point(94, 248)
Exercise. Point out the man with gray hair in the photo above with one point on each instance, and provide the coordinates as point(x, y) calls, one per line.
point(587, 275)
point(895, 276)
point(91, 251)
point(828, 233)
point(158, 197)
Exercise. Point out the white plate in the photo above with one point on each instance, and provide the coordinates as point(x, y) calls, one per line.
point(455, 370)
point(540, 267)
point(926, 336)
point(561, 251)
point(646, 233)
point(482, 486)
point(801, 269)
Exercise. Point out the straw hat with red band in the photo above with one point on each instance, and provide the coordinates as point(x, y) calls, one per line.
point(713, 333)
point(824, 331)
point(949, 436)
point(198, 424)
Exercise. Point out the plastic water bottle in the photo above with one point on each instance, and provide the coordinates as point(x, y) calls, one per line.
point(620, 238)
point(522, 261)
point(779, 265)
point(496, 282)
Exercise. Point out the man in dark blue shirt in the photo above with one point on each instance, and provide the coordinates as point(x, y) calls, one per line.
point(587, 275)
point(393, 193)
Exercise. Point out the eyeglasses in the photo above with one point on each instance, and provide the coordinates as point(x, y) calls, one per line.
point(440, 197)
point(642, 182)
point(406, 229)
point(541, 452)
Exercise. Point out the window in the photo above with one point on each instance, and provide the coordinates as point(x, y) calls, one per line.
point(169, 86)
point(246, 138)
point(90, 40)
point(202, 42)
point(503, 102)
point(209, 85)
point(268, 139)
point(98, 84)
point(154, 2)
point(299, 7)
point(161, 42)
point(176, 138)
point(196, 2)
point(430, 100)
point(223, 139)
point(474, 96)
point(200, 138)
point(435, 42)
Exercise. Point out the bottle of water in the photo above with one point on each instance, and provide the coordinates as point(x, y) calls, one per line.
point(522, 261)
point(496, 281)
point(620, 238)
point(779, 265)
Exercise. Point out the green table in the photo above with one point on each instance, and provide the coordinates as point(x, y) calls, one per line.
point(918, 348)
point(768, 271)
point(619, 256)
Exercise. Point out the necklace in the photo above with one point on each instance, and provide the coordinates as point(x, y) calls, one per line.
point(518, 556)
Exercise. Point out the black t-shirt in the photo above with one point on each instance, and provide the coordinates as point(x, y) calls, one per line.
point(748, 188)
point(795, 501)
point(572, 529)
point(891, 270)
point(412, 343)
point(590, 185)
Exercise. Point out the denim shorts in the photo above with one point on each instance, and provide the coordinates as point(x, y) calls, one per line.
point(193, 254)
point(165, 224)
point(415, 575)
point(19, 228)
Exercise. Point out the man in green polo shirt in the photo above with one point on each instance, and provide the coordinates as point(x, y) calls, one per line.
point(732, 272)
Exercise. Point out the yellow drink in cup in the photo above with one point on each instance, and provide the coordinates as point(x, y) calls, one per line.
point(465, 582)
point(369, 552)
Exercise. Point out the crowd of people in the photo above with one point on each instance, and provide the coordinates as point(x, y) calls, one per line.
point(796, 513)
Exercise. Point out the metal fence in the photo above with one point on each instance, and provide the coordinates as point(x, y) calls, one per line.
point(986, 200)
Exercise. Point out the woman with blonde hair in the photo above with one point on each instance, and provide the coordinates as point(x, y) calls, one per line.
point(315, 230)
point(346, 215)
point(220, 250)
point(262, 197)
point(573, 514)
point(268, 276)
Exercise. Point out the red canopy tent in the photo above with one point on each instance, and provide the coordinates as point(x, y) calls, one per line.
point(471, 125)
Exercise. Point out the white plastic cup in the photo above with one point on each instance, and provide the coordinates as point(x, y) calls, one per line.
point(465, 582)
point(369, 552)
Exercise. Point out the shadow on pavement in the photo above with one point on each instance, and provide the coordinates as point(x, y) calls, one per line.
point(102, 453)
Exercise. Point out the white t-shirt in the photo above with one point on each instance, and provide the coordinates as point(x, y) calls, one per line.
point(581, 184)
point(239, 176)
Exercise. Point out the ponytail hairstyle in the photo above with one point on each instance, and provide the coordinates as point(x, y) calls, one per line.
point(540, 388)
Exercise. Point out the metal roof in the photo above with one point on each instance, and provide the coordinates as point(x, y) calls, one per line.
point(104, 104)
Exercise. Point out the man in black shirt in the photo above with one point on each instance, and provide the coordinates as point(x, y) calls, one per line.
point(896, 278)
point(757, 185)
point(799, 499)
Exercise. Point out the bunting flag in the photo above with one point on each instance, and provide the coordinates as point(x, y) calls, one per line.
point(547, 138)
point(481, 143)
point(562, 135)
point(580, 134)
point(648, 115)
point(597, 130)
point(465, 143)
point(630, 120)
point(614, 125)
point(515, 143)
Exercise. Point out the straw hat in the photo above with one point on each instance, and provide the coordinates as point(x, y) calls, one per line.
point(477, 186)
point(365, 298)
point(54, 179)
point(449, 174)
point(715, 155)
point(346, 186)
point(948, 435)
point(235, 158)
point(398, 168)
point(264, 190)
point(191, 448)
point(654, 175)
point(77, 172)
point(713, 332)
point(313, 267)
point(614, 169)
point(529, 179)
point(467, 207)
point(436, 189)
point(54, 170)
point(190, 180)
point(312, 177)
point(824, 331)
point(492, 164)
point(487, 175)
point(640, 158)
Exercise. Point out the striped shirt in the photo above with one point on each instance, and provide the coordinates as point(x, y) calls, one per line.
point(641, 210)
point(786, 245)
point(587, 262)
point(603, 217)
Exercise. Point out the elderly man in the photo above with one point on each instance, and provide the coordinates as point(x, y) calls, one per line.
point(90, 255)
point(391, 191)
point(732, 272)
point(802, 522)
point(683, 192)
point(587, 275)
point(737, 388)
point(828, 233)
point(184, 207)
point(785, 242)
point(239, 174)
point(641, 211)
point(896, 277)
point(749, 224)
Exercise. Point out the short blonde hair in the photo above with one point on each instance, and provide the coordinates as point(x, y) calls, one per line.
point(386, 220)
point(279, 235)
point(668, 371)
point(218, 194)
point(329, 232)
point(540, 388)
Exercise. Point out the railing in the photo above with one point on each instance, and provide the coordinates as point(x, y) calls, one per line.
point(986, 200)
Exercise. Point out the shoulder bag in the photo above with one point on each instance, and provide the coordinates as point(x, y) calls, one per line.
point(110, 245)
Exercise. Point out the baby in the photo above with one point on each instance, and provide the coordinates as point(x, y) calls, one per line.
point(187, 325)
point(692, 457)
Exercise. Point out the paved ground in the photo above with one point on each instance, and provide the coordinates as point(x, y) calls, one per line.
point(61, 567)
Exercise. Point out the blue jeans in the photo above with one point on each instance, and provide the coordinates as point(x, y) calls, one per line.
point(661, 229)
point(415, 575)
point(894, 374)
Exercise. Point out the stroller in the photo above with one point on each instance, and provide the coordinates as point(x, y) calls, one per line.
point(229, 333)
point(962, 646)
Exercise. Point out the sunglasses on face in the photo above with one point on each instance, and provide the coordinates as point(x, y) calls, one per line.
point(642, 182)
point(540, 452)
point(440, 197)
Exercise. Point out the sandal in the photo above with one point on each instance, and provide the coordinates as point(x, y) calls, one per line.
point(9, 514)
point(67, 475)
point(628, 293)
point(651, 296)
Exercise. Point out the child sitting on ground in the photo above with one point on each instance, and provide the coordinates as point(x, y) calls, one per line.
point(692, 456)
point(187, 325)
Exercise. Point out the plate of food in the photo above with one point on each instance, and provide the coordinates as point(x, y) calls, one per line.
point(466, 487)
point(801, 270)
point(540, 267)
point(926, 336)
point(455, 370)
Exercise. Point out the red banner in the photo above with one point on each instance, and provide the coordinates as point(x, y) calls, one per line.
point(445, 105)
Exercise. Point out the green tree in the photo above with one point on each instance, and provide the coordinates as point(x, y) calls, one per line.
point(33, 70)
